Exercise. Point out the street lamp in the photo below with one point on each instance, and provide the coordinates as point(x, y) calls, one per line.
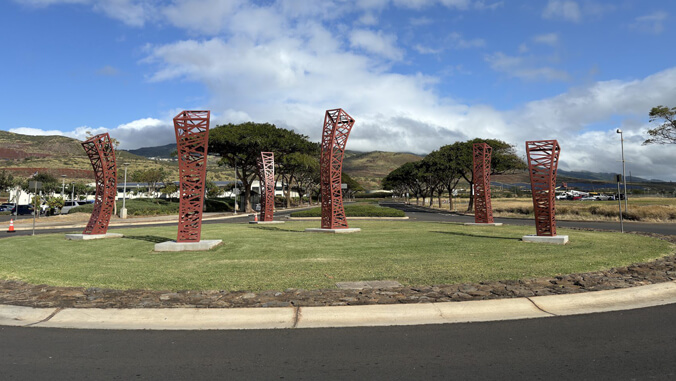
point(72, 191)
point(63, 186)
point(123, 211)
point(624, 178)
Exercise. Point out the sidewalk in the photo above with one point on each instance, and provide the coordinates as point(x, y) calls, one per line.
point(341, 316)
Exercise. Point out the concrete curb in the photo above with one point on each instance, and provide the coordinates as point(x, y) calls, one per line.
point(341, 316)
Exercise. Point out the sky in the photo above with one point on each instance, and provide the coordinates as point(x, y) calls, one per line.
point(414, 74)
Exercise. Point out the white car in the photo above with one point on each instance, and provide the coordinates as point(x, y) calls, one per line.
point(70, 205)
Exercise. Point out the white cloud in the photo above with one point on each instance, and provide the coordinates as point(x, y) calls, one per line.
point(378, 43)
point(456, 40)
point(562, 9)
point(651, 23)
point(34, 131)
point(526, 68)
point(547, 39)
point(108, 71)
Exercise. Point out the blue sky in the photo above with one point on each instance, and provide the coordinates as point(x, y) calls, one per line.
point(414, 74)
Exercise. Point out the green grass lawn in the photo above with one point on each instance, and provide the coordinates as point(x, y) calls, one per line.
point(275, 258)
point(361, 209)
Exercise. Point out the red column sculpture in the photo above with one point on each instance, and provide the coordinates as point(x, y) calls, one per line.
point(483, 212)
point(101, 153)
point(192, 137)
point(266, 173)
point(543, 159)
point(337, 126)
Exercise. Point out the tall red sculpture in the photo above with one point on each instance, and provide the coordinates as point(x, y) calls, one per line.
point(266, 173)
point(101, 153)
point(192, 137)
point(483, 212)
point(543, 159)
point(337, 126)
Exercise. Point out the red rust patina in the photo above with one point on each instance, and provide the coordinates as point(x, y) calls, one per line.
point(266, 173)
point(543, 159)
point(192, 137)
point(337, 127)
point(483, 212)
point(101, 153)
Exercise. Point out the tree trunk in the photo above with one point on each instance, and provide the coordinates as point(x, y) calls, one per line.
point(470, 204)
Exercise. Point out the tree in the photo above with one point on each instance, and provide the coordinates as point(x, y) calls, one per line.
point(503, 159)
point(241, 145)
point(308, 178)
point(294, 154)
point(6, 181)
point(402, 180)
point(353, 186)
point(665, 133)
point(446, 167)
point(151, 176)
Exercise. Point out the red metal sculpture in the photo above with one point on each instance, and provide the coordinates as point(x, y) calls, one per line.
point(102, 155)
point(337, 126)
point(266, 173)
point(192, 137)
point(483, 212)
point(543, 158)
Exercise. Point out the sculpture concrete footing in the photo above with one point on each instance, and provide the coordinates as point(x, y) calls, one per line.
point(203, 245)
point(336, 231)
point(87, 237)
point(554, 240)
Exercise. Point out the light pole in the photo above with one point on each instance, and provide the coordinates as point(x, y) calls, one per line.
point(72, 192)
point(624, 178)
point(63, 187)
point(123, 211)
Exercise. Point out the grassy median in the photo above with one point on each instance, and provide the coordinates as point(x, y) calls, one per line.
point(255, 257)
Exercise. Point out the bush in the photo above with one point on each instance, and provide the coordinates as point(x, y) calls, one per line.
point(359, 210)
point(373, 195)
point(160, 207)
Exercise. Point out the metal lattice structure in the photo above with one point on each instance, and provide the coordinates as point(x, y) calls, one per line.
point(543, 159)
point(192, 137)
point(483, 212)
point(266, 173)
point(101, 153)
point(337, 127)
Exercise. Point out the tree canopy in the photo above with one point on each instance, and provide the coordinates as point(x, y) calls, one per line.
point(665, 133)
point(241, 145)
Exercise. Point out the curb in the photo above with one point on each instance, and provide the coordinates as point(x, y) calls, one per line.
point(349, 218)
point(341, 316)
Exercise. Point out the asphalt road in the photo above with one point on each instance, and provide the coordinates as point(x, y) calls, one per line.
point(417, 213)
point(628, 345)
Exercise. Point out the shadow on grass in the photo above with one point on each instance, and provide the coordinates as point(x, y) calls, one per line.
point(478, 236)
point(276, 229)
point(148, 238)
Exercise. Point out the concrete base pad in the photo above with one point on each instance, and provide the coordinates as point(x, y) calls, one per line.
point(86, 237)
point(555, 240)
point(483, 224)
point(368, 284)
point(188, 246)
point(266, 222)
point(319, 230)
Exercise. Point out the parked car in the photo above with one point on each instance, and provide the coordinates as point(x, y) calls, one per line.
point(20, 210)
point(68, 205)
point(5, 208)
point(603, 197)
point(9, 205)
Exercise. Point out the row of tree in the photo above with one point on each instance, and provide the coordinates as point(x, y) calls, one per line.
point(441, 170)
